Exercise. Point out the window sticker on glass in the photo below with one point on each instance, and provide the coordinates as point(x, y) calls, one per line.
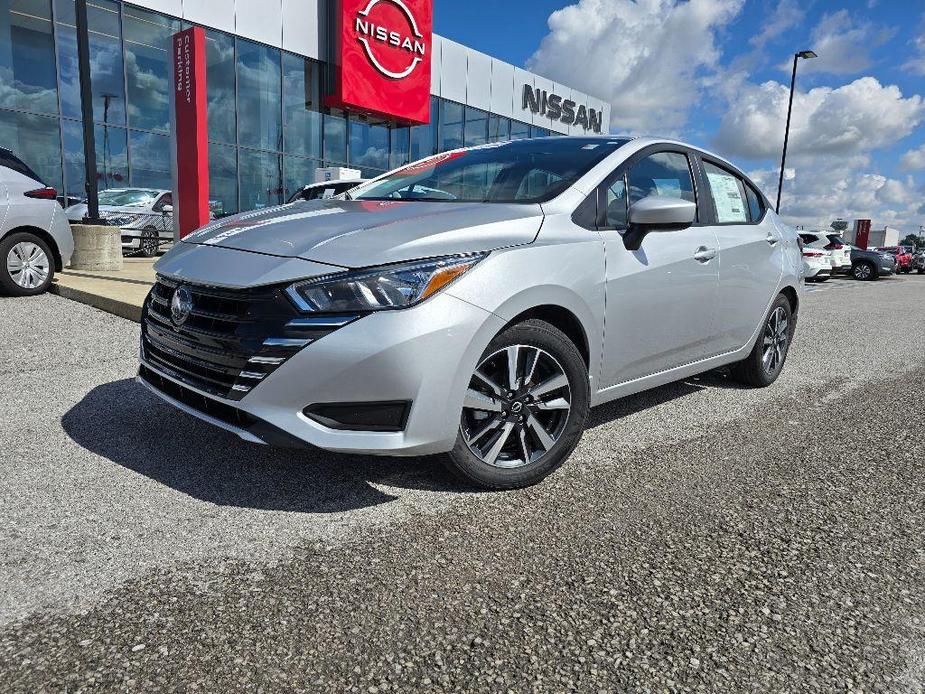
point(328, 194)
point(730, 207)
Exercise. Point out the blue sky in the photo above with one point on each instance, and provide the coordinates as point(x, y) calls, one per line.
point(716, 73)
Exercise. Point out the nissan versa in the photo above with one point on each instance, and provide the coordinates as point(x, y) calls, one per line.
point(476, 303)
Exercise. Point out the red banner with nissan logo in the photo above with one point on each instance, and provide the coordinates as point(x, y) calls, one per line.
point(383, 58)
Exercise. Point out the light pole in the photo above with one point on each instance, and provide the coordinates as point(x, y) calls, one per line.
point(806, 55)
point(86, 112)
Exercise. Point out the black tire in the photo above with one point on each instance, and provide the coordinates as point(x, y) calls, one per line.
point(821, 279)
point(864, 271)
point(564, 355)
point(921, 272)
point(148, 242)
point(8, 285)
point(752, 370)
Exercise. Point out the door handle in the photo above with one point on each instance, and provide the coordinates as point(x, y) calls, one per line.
point(704, 254)
point(771, 239)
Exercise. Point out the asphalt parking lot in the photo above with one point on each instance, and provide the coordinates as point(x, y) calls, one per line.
point(703, 536)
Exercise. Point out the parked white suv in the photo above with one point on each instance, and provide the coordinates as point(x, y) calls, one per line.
point(839, 249)
point(35, 238)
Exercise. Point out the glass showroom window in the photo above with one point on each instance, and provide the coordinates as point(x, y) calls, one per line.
point(36, 140)
point(223, 178)
point(476, 127)
point(111, 158)
point(450, 134)
point(369, 146)
point(297, 173)
point(261, 179)
point(258, 96)
point(399, 147)
point(108, 79)
point(150, 156)
point(519, 131)
point(27, 56)
point(499, 128)
point(423, 137)
point(220, 86)
point(147, 68)
point(301, 106)
point(335, 139)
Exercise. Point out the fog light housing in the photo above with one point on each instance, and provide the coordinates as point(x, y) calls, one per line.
point(361, 416)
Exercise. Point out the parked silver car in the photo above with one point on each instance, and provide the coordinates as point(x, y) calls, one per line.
point(541, 278)
point(35, 238)
point(144, 214)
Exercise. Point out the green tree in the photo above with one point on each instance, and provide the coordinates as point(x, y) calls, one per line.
point(840, 225)
point(913, 240)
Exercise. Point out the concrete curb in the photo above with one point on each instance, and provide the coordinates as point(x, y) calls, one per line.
point(123, 309)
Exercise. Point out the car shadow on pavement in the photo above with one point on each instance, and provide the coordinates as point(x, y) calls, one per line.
point(126, 424)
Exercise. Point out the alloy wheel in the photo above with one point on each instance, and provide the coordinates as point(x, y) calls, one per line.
point(516, 407)
point(148, 242)
point(862, 271)
point(776, 336)
point(28, 265)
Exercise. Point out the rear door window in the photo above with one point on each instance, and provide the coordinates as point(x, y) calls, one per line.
point(14, 163)
point(755, 205)
point(728, 193)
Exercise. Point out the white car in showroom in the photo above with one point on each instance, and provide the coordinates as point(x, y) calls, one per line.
point(35, 238)
point(144, 214)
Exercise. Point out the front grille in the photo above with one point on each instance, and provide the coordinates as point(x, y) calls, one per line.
point(231, 339)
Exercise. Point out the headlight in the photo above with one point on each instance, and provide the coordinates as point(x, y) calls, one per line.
point(376, 289)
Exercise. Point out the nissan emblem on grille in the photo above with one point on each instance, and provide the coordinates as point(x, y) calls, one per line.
point(181, 305)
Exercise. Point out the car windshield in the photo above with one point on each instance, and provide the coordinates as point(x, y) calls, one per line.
point(136, 197)
point(523, 171)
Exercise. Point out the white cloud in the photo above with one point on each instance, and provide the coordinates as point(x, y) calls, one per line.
point(916, 64)
point(850, 119)
point(913, 160)
point(843, 44)
point(787, 14)
point(646, 57)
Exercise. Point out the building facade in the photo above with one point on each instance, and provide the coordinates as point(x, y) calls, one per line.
point(268, 126)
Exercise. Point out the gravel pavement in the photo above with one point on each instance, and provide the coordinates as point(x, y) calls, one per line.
point(703, 536)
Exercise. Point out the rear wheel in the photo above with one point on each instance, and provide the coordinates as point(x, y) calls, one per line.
point(864, 271)
point(27, 266)
point(525, 408)
point(148, 242)
point(766, 360)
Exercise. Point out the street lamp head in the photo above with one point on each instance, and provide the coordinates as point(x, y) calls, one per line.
point(806, 55)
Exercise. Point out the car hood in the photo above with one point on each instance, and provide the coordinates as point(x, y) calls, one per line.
point(359, 233)
point(77, 212)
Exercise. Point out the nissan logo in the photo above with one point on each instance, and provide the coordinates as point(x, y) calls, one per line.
point(371, 34)
point(181, 306)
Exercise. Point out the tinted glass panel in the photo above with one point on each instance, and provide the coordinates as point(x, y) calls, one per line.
point(519, 131)
point(663, 173)
point(261, 180)
point(615, 205)
point(728, 195)
point(476, 127)
point(150, 156)
point(335, 139)
point(223, 178)
point(450, 134)
point(301, 104)
point(259, 112)
point(107, 78)
point(369, 145)
point(399, 147)
point(220, 86)
point(755, 206)
point(423, 137)
point(499, 129)
point(27, 56)
point(35, 140)
point(297, 173)
point(528, 171)
point(147, 70)
point(111, 159)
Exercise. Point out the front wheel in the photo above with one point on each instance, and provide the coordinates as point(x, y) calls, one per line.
point(27, 267)
point(148, 242)
point(864, 271)
point(766, 360)
point(525, 408)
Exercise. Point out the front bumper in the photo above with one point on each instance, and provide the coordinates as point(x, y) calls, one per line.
point(424, 355)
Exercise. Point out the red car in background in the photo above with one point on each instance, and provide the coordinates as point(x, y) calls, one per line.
point(903, 257)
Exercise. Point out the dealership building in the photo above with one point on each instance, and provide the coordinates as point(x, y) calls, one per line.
point(272, 67)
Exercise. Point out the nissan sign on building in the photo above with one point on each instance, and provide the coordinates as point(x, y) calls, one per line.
point(288, 87)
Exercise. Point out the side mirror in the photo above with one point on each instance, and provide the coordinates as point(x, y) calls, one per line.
point(657, 213)
point(167, 209)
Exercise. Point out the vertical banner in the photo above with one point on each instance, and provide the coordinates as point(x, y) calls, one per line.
point(861, 233)
point(189, 132)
